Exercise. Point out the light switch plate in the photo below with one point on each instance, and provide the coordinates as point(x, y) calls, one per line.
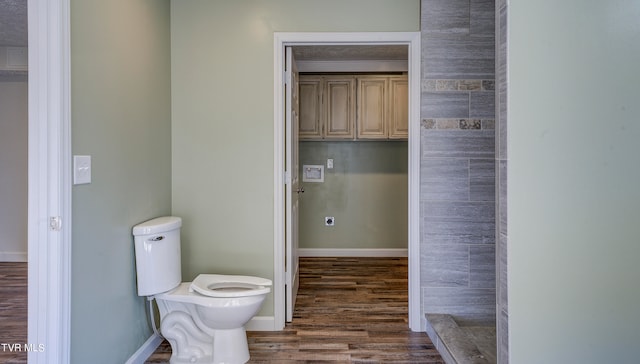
point(330, 163)
point(81, 169)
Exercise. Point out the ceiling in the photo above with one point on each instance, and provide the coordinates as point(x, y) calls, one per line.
point(13, 23)
point(351, 53)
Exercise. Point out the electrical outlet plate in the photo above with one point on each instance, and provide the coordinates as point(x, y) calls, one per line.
point(313, 173)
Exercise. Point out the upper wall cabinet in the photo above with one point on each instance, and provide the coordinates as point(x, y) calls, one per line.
point(310, 96)
point(373, 106)
point(398, 108)
point(352, 107)
point(383, 111)
point(327, 107)
point(339, 105)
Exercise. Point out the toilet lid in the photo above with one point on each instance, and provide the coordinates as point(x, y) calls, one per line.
point(218, 285)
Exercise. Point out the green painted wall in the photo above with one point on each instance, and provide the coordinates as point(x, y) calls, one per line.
point(121, 97)
point(366, 192)
point(574, 172)
point(222, 118)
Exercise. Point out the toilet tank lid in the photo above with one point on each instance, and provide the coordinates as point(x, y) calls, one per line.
point(157, 225)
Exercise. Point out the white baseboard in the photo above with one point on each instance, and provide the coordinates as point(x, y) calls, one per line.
point(145, 351)
point(261, 323)
point(391, 253)
point(13, 256)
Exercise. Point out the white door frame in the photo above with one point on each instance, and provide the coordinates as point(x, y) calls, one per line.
point(49, 183)
point(412, 40)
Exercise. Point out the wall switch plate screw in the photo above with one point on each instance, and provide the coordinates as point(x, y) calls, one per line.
point(329, 221)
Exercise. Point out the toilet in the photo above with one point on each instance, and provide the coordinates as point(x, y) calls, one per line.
point(203, 320)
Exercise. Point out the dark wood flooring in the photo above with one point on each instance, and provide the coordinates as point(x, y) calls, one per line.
point(13, 312)
point(349, 310)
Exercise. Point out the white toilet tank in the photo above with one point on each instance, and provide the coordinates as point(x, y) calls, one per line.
point(157, 250)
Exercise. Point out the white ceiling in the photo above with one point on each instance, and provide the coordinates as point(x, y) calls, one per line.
point(13, 23)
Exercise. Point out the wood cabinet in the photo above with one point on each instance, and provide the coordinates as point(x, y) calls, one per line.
point(372, 107)
point(352, 107)
point(310, 120)
point(398, 108)
point(327, 107)
point(383, 107)
point(340, 107)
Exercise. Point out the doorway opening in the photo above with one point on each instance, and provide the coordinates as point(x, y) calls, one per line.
point(13, 176)
point(353, 150)
point(343, 42)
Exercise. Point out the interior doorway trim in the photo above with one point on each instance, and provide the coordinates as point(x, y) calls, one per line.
point(49, 182)
point(412, 40)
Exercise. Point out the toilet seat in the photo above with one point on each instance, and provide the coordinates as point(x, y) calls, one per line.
point(218, 285)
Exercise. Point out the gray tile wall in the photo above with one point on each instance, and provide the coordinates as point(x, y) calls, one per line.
point(502, 329)
point(458, 146)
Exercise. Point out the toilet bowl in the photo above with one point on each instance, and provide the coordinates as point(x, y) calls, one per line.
point(205, 329)
point(203, 320)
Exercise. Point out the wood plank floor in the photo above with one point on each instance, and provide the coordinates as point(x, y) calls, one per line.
point(349, 310)
point(13, 311)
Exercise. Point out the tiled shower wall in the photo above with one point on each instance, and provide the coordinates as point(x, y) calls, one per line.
point(457, 197)
point(501, 190)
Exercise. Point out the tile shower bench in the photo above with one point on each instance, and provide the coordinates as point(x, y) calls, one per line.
point(461, 344)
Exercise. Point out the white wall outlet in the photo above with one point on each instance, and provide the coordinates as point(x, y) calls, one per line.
point(329, 221)
point(81, 169)
point(330, 163)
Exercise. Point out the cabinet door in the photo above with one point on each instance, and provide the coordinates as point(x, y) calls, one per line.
point(372, 107)
point(310, 96)
point(340, 107)
point(398, 108)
